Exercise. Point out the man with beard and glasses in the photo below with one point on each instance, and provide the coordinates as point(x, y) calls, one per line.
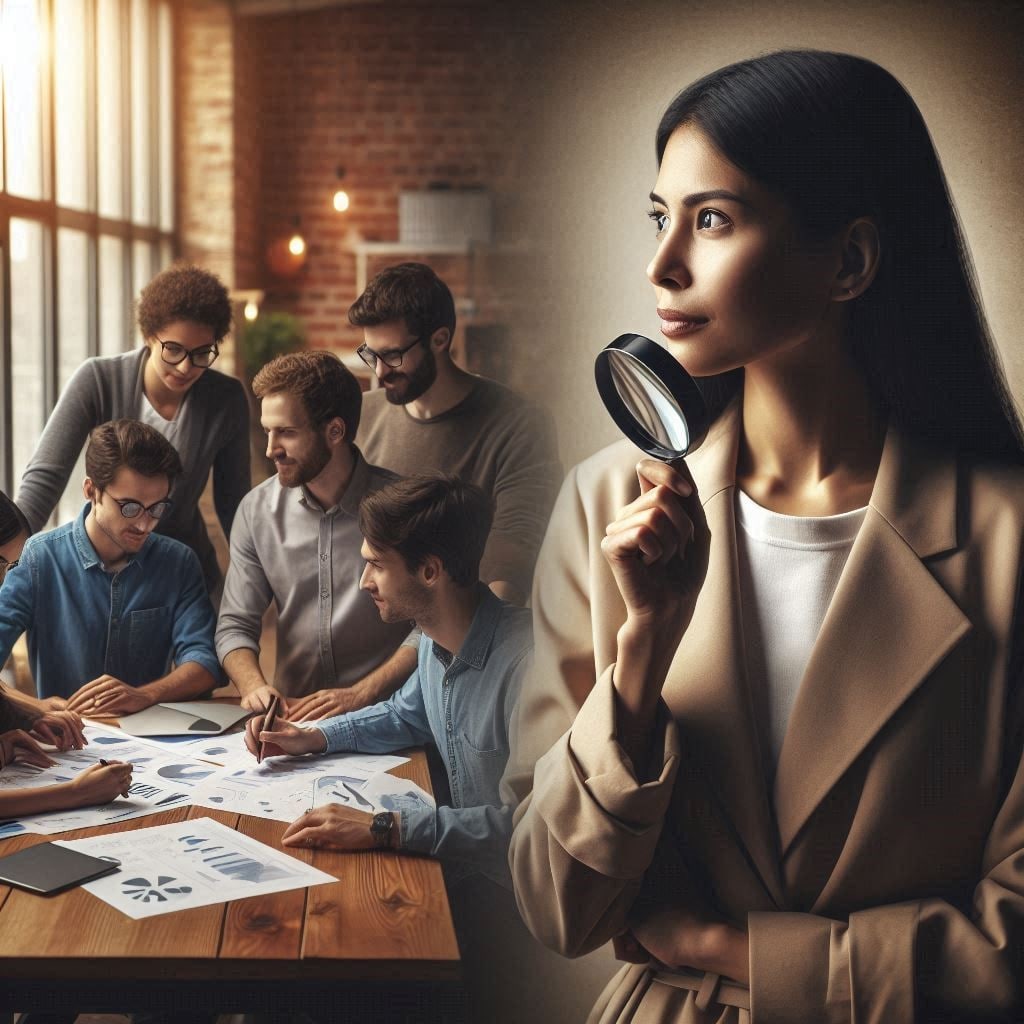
point(295, 541)
point(431, 416)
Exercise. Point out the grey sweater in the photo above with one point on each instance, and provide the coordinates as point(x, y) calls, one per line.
point(213, 431)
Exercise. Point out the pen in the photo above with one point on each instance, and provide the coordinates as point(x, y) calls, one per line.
point(268, 724)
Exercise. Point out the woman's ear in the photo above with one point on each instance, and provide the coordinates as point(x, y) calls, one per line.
point(861, 252)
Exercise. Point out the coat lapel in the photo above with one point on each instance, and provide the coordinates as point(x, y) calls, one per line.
point(710, 696)
point(890, 623)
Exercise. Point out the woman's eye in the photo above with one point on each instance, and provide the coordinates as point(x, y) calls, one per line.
point(710, 219)
point(660, 220)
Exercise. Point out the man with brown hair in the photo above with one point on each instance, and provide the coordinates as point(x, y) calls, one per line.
point(431, 416)
point(423, 540)
point(295, 541)
point(126, 603)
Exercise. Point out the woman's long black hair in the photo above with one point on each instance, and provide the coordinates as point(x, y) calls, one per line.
point(838, 137)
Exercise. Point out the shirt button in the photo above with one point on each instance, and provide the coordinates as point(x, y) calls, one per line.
point(449, 726)
point(323, 593)
point(323, 558)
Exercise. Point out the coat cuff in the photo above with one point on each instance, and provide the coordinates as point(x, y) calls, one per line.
point(804, 967)
point(586, 790)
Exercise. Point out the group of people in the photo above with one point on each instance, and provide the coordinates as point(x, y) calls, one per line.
point(771, 745)
point(392, 624)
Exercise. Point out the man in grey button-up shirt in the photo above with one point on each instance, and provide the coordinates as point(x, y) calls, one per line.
point(295, 540)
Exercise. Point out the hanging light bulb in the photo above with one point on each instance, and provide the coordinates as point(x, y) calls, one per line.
point(341, 197)
point(296, 244)
point(251, 311)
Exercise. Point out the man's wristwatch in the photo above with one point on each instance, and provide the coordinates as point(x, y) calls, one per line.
point(381, 827)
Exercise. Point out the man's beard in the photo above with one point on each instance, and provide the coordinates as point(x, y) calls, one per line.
point(409, 386)
point(308, 468)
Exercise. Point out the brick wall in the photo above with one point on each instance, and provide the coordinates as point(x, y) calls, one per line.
point(401, 96)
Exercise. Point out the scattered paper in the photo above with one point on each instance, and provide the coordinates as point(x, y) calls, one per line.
point(374, 794)
point(160, 781)
point(281, 788)
point(190, 864)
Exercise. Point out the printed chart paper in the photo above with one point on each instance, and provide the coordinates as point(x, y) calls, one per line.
point(281, 788)
point(190, 864)
point(161, 780)
point(373, 795)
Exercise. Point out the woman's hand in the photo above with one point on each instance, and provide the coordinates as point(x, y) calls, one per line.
point(101, 783)
point(61, 729)
point(17, 745)
point(284, 738)
point(657, 548)
point(681, 938)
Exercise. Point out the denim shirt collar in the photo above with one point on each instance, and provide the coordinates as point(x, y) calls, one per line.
point(477, 644)
point(87, 553)
point(357, 486)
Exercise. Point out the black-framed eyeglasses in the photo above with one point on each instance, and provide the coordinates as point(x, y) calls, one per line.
point(392, 358)
point(172, 353)
point(132, 509)
point(6, 567)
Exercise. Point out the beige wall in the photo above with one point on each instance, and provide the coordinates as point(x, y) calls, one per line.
point(605, 72)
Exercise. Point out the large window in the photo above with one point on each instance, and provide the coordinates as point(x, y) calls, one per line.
point(86, 195)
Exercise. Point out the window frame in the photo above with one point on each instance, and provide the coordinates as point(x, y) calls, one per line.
point(52, 216)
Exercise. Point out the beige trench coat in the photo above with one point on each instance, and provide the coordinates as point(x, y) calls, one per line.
point(882, 877)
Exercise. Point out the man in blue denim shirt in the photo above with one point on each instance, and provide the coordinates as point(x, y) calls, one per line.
point(108, 604)
point(423, 538)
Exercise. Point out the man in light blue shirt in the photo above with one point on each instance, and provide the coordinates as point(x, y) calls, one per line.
point(110, 606)
point(423, 539)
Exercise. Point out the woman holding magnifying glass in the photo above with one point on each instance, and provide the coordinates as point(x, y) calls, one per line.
point(793, 790)
point(183, 315)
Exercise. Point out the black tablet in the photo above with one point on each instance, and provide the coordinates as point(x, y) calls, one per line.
point(48, 868)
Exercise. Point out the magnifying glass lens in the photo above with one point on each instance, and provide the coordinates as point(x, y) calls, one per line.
point(655, 402)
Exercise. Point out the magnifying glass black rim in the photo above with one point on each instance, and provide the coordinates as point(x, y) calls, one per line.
point(679, 383)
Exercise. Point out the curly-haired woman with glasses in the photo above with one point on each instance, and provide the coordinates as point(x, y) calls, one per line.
point(183, 314)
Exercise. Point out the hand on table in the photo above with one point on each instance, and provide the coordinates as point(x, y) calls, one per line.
point(333, 827)
point(681, 938)
point(101, 783)
point(325, 704)
point(18, 745)
point(260, 698)
point(283, 738)
point(61, 729)
point(107, 695)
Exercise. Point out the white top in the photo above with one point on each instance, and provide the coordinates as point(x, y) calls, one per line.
point(789, 569)
point(149, 415)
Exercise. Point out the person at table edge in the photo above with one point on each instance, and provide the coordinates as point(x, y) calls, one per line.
point(295, 541)
point(423, 540)
point(110, 606)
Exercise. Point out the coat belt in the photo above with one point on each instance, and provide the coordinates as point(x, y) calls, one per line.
point(709, 987)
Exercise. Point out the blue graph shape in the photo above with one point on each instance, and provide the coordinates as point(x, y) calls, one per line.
point(145, 891)
point(232, 863)
point(186, 772)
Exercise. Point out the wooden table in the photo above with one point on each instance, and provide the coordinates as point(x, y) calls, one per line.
point(377, 945)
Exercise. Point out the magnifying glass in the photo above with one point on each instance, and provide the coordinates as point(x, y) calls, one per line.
point(652, 399)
